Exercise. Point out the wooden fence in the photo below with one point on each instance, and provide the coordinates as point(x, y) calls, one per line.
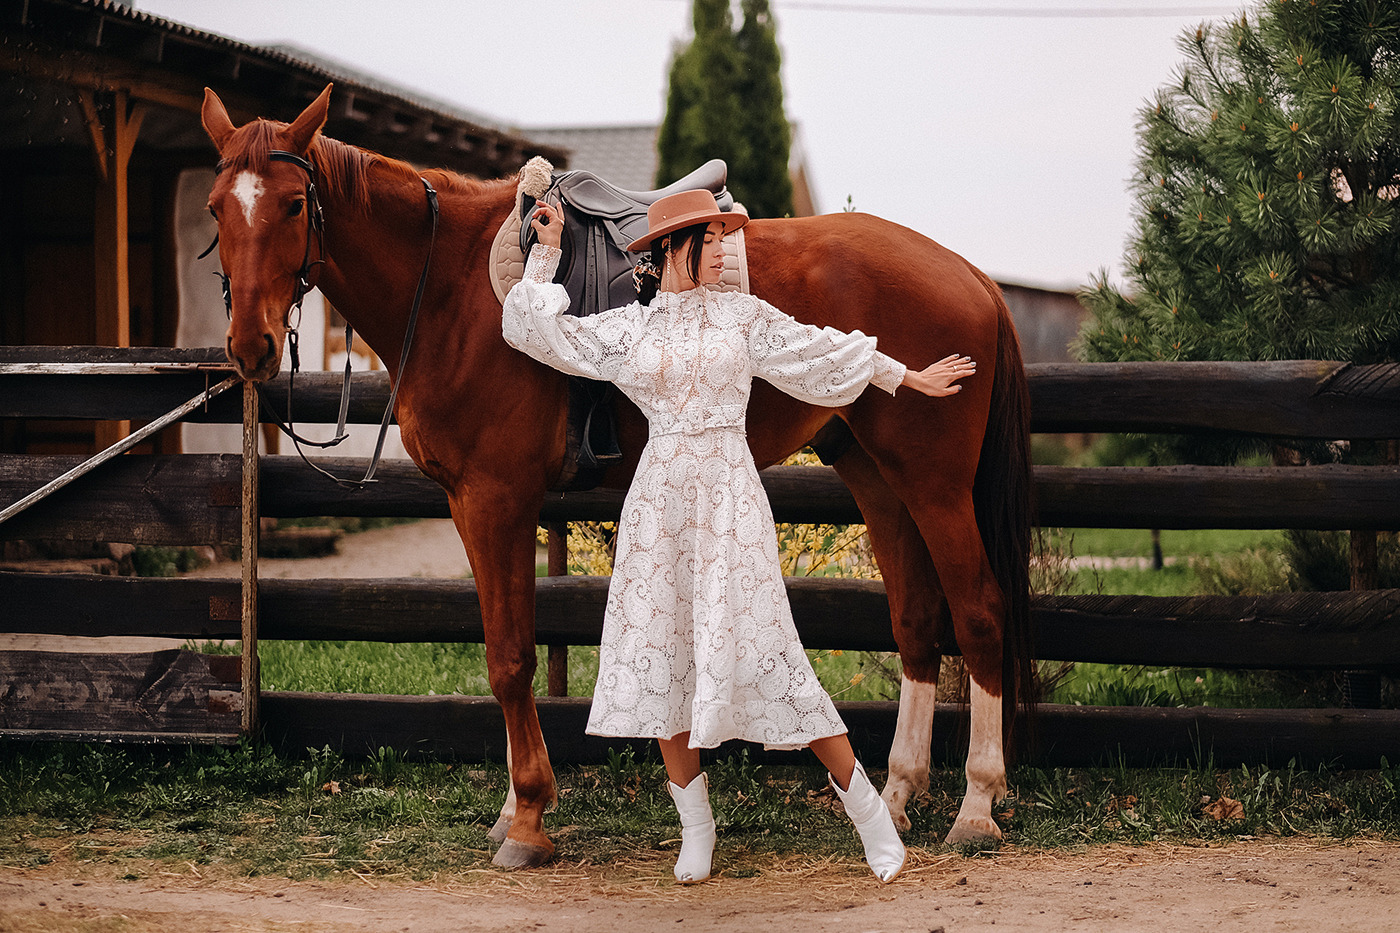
point(195, 499)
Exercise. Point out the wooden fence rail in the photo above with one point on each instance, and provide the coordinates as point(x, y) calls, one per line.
point(1292, 630)
point(195, 499)
point(1294, 398)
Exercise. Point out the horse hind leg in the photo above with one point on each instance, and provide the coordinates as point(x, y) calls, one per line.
point(919, 615)
point(978, 613)
point(943, 519)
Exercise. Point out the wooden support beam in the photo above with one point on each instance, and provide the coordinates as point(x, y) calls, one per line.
point(249, 609)
point(114, 122)
point(558, 677)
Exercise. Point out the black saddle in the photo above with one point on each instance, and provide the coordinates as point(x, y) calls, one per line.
point(600, 220)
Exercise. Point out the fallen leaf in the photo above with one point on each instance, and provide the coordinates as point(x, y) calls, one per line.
point(331, 787)
point(1225, 809)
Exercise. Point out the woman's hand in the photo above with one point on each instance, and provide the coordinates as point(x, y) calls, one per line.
point(547, 223)
point(938, 380)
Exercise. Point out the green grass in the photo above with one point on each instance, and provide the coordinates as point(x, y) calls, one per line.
point(430, 668)
point(247, 811)
point(1180, 543)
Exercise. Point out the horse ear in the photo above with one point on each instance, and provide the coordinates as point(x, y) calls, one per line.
point(215, 118)
point(305, 127)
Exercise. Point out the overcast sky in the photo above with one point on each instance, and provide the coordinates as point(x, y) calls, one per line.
point(1003, 130)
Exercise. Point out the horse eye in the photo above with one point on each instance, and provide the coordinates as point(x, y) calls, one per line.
point(295, 208)
point(215, 214)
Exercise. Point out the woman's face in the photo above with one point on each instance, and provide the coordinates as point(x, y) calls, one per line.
point(711, 258)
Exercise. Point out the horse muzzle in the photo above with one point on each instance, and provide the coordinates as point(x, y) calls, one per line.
point(257, 358)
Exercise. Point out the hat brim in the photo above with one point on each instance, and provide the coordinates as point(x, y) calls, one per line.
point(732, 221)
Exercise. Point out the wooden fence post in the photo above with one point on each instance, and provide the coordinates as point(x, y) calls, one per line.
point(249, 614)
point(558, 567)
point(1362, 689)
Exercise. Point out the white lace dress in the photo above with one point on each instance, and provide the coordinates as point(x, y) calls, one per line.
point(698, 635)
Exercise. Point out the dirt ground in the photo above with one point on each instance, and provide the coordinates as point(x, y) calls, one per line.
point(1246, 886)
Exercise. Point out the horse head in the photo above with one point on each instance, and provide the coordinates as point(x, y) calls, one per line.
point(269, 237)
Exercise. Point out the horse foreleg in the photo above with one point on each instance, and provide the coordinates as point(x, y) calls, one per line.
point(919, 615)
point(501, 828)
point(499, 533)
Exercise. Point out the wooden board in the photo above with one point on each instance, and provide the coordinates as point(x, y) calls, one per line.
point(73, 693)
point(1287, 631)
point(92, 605)
point(473, 729)
point(1329, 497)
point(1292, 398)
point(191, 499)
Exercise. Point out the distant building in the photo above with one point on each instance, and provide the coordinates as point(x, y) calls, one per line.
point(1047, 320)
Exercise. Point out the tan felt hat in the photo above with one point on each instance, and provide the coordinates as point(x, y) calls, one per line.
point(683, 210)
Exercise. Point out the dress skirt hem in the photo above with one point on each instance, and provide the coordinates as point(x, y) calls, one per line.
point(789, 744)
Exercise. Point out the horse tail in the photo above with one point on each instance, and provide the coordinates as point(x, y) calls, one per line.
point(1002, 498)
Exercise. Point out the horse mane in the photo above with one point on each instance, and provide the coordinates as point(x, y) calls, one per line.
point(343, 168)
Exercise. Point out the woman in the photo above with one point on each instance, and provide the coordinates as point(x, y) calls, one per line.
point(698, 642)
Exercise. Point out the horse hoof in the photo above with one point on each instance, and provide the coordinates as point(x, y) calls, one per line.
point(497, 833)
point(901, 820)
point(974, 832)
point(516, 854)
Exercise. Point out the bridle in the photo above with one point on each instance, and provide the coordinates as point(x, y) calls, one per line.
point(306, 278)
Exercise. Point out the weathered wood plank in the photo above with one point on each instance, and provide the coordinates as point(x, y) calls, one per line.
point(189, 499)
point(1331, 496)
point(185, 500)
point(87, 604)
point(160, 691)
point(472, 729)
point(88, 355)
point(99, 397)
point(1283, 631)
point(1291, 398)
point(1287, 631)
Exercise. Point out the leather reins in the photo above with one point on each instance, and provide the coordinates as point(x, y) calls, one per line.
point(306, 278)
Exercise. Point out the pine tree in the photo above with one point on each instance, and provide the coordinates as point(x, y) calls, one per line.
point(1265, 190)
point(725, 101)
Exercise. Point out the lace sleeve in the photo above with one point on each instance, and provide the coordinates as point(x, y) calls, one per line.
point(819, 365)
point(533, 321)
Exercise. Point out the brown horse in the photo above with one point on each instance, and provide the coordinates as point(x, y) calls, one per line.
point(942, 483)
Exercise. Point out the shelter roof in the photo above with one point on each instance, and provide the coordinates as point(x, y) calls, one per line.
point(54, 46)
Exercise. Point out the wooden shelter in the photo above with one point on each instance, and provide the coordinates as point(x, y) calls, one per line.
point(99, 131)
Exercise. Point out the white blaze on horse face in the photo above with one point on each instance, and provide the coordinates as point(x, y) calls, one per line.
point(247, 188)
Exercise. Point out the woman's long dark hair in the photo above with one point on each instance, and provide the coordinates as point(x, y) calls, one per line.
point(695, 236)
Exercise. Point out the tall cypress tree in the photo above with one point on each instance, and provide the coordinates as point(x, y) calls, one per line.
point(725, 101)
point(1265, 190)
point(767, 183)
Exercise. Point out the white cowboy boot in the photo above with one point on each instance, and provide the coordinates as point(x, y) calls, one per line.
point(697, 829)
point(884, 852)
